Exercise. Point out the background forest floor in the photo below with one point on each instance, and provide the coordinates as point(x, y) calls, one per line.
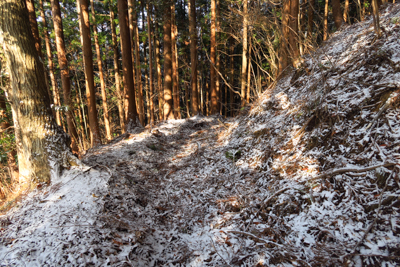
point(307, 176)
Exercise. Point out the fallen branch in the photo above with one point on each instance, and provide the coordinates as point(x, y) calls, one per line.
point(344, 170)
point(392, 99)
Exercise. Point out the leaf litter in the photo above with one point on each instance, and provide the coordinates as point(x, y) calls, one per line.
point(306, 176)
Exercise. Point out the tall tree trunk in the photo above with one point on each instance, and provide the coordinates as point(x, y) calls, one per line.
point(120, 95)
point(346, 17)
point(213, 46)
point(168, 101)
point(38, 43)
point(89, 75)
point(337, 14)
point(244, 55)
point(151, 89)
point(218, 58)
point(175, 78)
point(132, 24)
point(159, 77)
point(248, 75)
point(231, 75)
point(311, 5)
point(56, 93)
point(193, 57)
point(326, 20)
point(127, 63)
point(146, 71)
point(101, 75)
point(64, 70)
point(294, 31)
point(41, 144)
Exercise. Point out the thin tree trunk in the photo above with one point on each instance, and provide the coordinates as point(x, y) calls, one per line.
point(132, 24)
point(232, 72)
point(326, 20)
point(89, 75)
point(168, 101)
point(159, 77)
point(56, 93)
point(64, 70)
point(146, 71)
point(244, 56)
point(127, 63)
point(294, 31)
point(248, 75)
point(193, 57)
point(151, 89)
point(213, 46)
point(218, 63)
point(120, 95)
point(283, 49)
point(346, 17)
point(175, 78)
point(101, 75)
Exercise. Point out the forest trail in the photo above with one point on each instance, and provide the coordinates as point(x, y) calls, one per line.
point(307, 176)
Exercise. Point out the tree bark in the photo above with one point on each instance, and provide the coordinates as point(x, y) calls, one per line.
point(159, 77)
point(127, 63)
point(41, 144)
point(151, 89)
point(101, 75)
point(193, 57)
point(175, 78)
point(294, 32)
point(326, 20)
point(168, 101)
point(64, 70)
point(283, 49)
point(311, 5)
point(337, 14)
point(120, 96)
point(213, 73)
point(56, 93)
point(244, 55)
point(89, 75)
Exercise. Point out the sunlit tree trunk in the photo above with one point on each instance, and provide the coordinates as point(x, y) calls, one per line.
point(218, 57)
point(193, 57)
point(64, 70)
point(101, 76)
point(168, 101)
point(213, 46)
point(127, 63)
point(89, 75)
point(54, 85)
point(283, 48)
point(244, 55)
point(120, 101)
point(346, 17)
point(326, 20)
point(175, 77)
point(41, 143)
point(159, 77)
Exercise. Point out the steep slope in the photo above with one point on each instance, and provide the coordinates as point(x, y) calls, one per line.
point(307, 176)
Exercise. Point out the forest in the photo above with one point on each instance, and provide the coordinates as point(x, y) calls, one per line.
point(199, 133)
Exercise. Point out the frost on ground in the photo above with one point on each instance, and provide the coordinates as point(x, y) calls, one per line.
point(307, 176)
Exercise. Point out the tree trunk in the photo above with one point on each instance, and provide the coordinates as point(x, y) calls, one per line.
point(337, 14)
point(64, 70)
point(132, 22)
point(213, 73)
point(151, 89)
point(41, 144)
point(101, 75)
point(159, 77)
point(346, 17)
point(231, 74)
point(294, 32)
point(193, 57)
point(311, 5)
point(56, 93)
point(168, 101)
point(89, 75)
point(146, 69)
point(127, 63)
point(120, 96)
point(244, 55)
point(175, 78)
point(326, 20)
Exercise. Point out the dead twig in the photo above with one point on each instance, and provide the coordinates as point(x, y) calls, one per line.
point(339, 171)
point(255, 237)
